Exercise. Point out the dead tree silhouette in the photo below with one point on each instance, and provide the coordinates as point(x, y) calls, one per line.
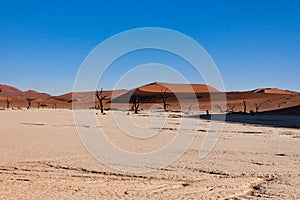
point(219, 107)
point(43, 105)
point(281, 103)
point(245, 106)
point(136, 105)
point(231, 108)
point(29, 100)
point(258, 105)
point(8, 102)
point(100, 97)
point(164, 95)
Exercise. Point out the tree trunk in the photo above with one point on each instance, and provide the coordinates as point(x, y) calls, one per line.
point(101, 107)
point(245, 106)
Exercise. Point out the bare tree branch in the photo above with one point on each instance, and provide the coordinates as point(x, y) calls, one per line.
point(245, 106)
point(100, 97)
point(164, 95)
point(136, 105)
point(8, 102)
point(258, 105)
point(231, 108)
point(29, 100)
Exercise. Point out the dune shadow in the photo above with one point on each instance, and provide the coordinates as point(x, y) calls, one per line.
point(284, 121)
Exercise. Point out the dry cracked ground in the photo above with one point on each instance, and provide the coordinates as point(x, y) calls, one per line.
point(42, 157)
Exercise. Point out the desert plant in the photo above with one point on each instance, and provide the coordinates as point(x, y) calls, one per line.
point(164, 95)
point(100, 97)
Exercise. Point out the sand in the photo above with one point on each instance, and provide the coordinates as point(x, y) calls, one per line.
point(42, 157)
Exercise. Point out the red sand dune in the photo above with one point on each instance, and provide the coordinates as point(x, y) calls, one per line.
point(9, 91)
point(268, 98)
point(273, 91)
point(158, 87)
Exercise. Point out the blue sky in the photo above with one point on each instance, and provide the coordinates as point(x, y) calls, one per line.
point(254, 43)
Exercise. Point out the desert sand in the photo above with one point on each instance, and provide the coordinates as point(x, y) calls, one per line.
point(42, 157)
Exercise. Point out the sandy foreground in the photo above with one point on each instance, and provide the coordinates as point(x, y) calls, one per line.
point(42, 157)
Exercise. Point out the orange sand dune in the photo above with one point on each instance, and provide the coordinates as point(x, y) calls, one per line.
point(158, 87)
point(273, 91)
point(268, 99)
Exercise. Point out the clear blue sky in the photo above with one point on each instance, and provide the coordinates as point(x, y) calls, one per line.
point(254, 43)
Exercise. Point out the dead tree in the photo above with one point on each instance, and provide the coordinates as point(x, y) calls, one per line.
point(219, 107)
point(245, 106)
point(207, 112)
point(258, 105)
point(100, 97)
point(43, 105)
point(164, 95)
point(190, 109)
point(280, 103)
point(136, 105)
point(231, 108)
point(8, 102)
point(29, 102)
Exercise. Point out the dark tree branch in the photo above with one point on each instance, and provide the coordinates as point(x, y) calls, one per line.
point(258, 105)
point(8, 102)
point(99, 95)
point(136, 105)
point(245, 106)
point(29, 102)
point(164, 95)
